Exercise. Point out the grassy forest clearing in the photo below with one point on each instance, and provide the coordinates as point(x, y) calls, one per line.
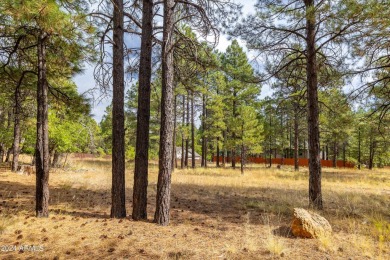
point(216, 214)
point(197, 90)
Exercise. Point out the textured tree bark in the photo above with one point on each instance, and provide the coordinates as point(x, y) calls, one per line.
point(243, 159)
point(174, 159)
point(234, 134)
point(182, 135)
point(192, 131)
point(188, 126)
point(118, 206)
point(42, 159)
point(163, 195)
point(296, 138)
point(143, 115)
point(315, 193)
point(17, 136)
point(204, 128)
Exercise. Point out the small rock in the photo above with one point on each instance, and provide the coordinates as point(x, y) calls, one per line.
point(309, 225)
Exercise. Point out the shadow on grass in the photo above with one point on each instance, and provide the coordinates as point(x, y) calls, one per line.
point(283, 231)
point(189, 203)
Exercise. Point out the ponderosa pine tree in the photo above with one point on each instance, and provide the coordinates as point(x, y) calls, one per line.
point(213, 116)
point(143, 115)
point(241, 89)
point(56, 36)
point(335, 121)
point(250, 133)
point(319, 26)
point(118, 206)
point(163, 195)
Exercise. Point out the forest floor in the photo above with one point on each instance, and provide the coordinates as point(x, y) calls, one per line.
point(215, 214)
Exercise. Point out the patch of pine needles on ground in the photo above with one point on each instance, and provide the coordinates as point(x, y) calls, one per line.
point(215, 214)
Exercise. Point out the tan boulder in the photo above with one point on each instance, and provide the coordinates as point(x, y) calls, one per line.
point(309, 224)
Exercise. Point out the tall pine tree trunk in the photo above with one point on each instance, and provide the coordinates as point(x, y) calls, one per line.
point(234, 136)
point(203, 128)
point(182, 133)
point(17, 136)
point(118, 205)
point(188, 126)
point(192, 131)
point(174, 153)
point(9, 124)
point(243, 159)
point(140, 196)
point(315, 193)
point(296, 138)
point(163, 195)
point(42, 160)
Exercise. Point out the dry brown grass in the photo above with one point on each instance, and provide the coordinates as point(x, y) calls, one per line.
point(216, 214)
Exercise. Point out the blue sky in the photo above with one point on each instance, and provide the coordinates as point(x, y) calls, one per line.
point(85, 81)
